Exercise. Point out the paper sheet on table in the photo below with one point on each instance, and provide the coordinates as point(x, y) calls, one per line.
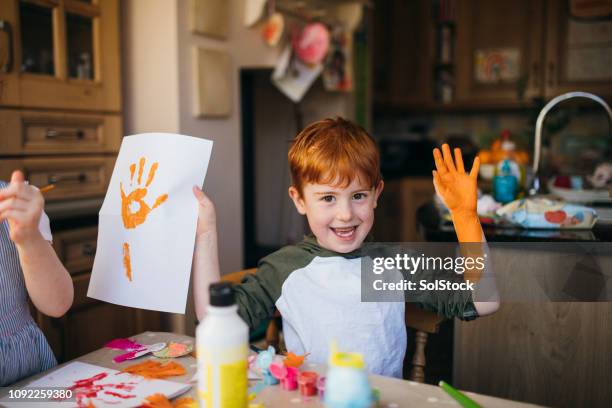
point(147, 223)
point(112, 389)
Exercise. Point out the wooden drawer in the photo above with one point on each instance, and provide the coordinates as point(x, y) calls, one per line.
point(33, 132)
point(76, 248)
point(74, 178)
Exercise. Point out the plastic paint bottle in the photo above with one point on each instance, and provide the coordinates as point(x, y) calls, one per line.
point(346, 383)
point(222, 349)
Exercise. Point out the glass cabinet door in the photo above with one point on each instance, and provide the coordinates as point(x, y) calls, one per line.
point(65, 54)
point(79, 46)
point(37, 49)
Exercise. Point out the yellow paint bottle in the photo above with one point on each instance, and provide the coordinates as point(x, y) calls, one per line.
point(222, 349)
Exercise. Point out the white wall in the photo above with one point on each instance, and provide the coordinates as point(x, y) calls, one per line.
point(150, 71)
point(158, 91)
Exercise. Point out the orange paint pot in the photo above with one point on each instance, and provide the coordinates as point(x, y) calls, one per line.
point(307, 381)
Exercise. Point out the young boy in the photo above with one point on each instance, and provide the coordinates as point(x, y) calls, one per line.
point(316, 284)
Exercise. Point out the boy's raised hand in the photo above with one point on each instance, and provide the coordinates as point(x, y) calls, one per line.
point(22, 205)
point(457, 188)
point(207, 219)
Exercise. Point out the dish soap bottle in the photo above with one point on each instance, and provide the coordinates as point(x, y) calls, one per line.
point(222, 340)
point(505, 183)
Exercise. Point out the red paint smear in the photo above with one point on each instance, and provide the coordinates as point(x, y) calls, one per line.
point(116, 394)
point(88, 382)
point(86, 389)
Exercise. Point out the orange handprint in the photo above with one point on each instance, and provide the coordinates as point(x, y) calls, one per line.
point(134, 210)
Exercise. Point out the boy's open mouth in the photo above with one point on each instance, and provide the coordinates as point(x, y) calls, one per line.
point(345, 233)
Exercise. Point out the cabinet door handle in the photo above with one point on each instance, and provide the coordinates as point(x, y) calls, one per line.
point(551, 74)
point(78, 178)
point(64, 134)
point(8, 65)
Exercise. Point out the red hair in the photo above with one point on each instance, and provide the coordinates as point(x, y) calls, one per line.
point(334, 151)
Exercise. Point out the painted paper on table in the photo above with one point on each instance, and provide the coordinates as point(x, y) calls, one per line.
point(147, 222)
point(100, 387)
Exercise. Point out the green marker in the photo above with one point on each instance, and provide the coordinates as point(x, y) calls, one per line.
point(461, 398)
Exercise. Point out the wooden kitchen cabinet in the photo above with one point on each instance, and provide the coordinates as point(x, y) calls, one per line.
point(403, 53)
point(30, 132)
point(484, 25)
point(61, 124)
point(578, 53)
point(60, 54)
point(557, 53)
point(397, 207)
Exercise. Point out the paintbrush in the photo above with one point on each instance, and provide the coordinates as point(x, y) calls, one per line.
point(46, 188)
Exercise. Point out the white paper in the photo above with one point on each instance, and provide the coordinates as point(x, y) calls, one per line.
point(138, 387)
point(161, 247)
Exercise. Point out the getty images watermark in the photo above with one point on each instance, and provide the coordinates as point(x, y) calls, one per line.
point(409, 265)
point(510, 271)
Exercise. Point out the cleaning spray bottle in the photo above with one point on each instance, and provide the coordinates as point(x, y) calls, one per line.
point(222, 349)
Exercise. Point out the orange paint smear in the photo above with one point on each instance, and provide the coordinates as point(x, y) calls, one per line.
point(151, 173)
point(160, 401)
point(127, 262)
point(141, 164)
point(130, 219)
point(155, 369)
point(160, 200)
point(132, 170)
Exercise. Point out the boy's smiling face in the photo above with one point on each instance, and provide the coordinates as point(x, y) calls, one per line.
point(339, 217)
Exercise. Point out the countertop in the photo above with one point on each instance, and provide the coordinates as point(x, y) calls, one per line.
point(435, 229)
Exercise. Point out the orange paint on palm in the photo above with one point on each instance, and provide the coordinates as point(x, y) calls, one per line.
point(127, 262)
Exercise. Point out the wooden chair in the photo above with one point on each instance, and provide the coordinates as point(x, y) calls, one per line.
point(422, 321)
point(273, 330)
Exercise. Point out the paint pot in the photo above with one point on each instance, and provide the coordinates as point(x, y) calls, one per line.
point(307, 381)
point(286, 375)
point(321, 387)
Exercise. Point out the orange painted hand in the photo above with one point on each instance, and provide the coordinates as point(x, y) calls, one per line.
point(457, 188)
point(134, 210)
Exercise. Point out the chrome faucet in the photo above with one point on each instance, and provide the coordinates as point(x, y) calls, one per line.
point(535, 184)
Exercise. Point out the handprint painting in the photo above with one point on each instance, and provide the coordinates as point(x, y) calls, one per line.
point(134, 210)
point(147, 222)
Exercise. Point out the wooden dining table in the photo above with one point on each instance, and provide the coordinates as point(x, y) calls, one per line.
point(393, 392)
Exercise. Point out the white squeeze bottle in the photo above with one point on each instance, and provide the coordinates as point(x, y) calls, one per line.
point(222, 349)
